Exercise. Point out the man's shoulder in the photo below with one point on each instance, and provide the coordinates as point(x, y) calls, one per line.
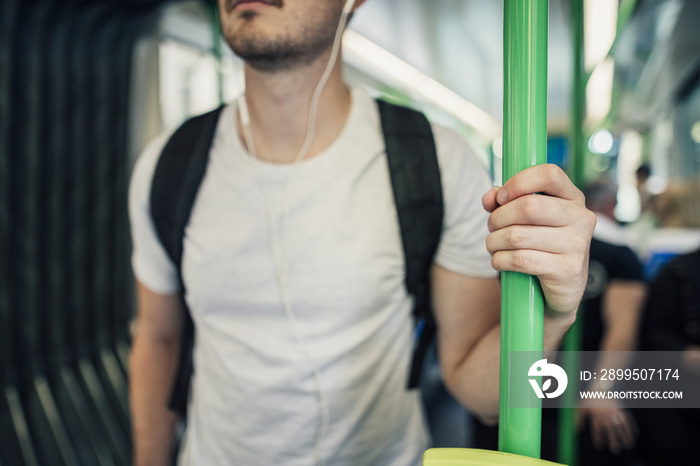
point(447, 139)
point(142, 173)
point(147, 161)
point(601, 248)
point(619, 259)
point(688, 262)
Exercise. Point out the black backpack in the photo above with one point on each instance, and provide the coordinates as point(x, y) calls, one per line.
point(415, 180)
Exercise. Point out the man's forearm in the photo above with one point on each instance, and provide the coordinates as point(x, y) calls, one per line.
point(151, 369)
point(475, 382)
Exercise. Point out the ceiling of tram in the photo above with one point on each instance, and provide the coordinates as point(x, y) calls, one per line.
point(657, 59)
point(460, 44)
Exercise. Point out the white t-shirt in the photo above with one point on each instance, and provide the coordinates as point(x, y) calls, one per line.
point(334, 228)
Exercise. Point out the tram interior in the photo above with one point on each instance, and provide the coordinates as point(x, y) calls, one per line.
point(84, 85)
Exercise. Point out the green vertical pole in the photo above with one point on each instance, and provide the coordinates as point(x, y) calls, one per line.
point(524, 145)
point(568, 445)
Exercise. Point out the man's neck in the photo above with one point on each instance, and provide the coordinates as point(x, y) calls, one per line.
point(278, 105)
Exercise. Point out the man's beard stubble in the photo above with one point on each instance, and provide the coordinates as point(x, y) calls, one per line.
point(287, 50)
point(276, 55)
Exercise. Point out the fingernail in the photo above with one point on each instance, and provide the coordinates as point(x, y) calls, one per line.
point(502, 196)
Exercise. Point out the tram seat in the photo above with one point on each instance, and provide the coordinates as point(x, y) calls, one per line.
point(476, 457)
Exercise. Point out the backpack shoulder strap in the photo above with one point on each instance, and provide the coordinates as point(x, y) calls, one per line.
point(174, 188)
point(177, 177)
point(415, 180)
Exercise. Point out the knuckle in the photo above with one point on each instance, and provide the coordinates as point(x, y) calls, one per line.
point(575, 268)
point(491, 222)
point(519, 260)
point(502, 260)
point(585, 221)
point(516, 237)
point(580, 242)
point(552, 172)
point(496, 261)
point(491, 244)
point(530, 207)
point(592, 220)
point(551, 176)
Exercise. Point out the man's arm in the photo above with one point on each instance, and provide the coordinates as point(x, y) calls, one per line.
point(622, 313)
point(547, 235)
point(152, 366)
point(467, 311)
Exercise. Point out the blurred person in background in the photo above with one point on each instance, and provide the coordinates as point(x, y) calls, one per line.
point(642, 175)
point(678, 211)
point(647, 221)
point(611, 318)
point(671, 322)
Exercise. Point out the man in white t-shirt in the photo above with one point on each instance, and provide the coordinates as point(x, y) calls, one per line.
point(294, 268)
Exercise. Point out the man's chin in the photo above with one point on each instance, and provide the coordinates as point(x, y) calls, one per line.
point(270, 64)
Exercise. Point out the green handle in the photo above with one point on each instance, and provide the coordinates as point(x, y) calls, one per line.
point(524, 145)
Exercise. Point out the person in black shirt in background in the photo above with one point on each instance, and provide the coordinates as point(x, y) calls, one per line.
point(671, 322)
point(611, 317)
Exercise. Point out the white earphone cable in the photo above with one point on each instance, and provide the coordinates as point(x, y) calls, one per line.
point(279, 257)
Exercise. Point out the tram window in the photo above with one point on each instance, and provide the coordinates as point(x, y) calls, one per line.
point(192, 78)
point(178, 73)
point(188, 82)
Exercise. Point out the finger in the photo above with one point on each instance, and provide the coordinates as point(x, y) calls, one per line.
point(621, 432)
point(613, 441)
point(613, 420)
point(489, 200)
point(527, 261)
point(626, 433)
point(537, 238)
point(604, 433)
point(547, 266)
point(536, 210)
point(545, 178)
point(562, 276)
